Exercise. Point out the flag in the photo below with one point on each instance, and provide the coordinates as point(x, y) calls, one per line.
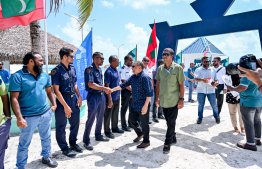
point(133, 54)
point(119, 67)
point(83, 59)
point(197, 63)
point(152, 45)
point(20, 12)
point(178, 58)
point(224, 62)
point(206, 51)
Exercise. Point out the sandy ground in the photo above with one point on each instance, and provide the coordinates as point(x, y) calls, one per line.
point(208, 145)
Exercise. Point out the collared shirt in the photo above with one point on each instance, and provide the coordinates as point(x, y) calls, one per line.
point(113, 79)
point(32, 97)
point(148, 72)
point(169, 90)
point(125, 72)
point(65, 78)
point(141, 89)
point(3, 92)
point(251, 97)
point(220, 73)
point(190, 70)
point(201, 73)
point(5, 75)
point(92, 74)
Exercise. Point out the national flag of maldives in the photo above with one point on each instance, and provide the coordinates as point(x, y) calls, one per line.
point(20, 12)
point(206, 51)
point(152, 45)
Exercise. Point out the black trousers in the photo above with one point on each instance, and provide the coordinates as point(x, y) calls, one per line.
point(220, 97)
point(155, 108)
point(140, 124)
point(126, 102)
point(170, 116)
point(111, 114)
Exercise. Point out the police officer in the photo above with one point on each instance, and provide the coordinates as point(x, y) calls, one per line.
point(65, 87)
point(96, 99)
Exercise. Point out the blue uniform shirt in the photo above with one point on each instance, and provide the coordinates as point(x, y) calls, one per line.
point(32, 98)
point(92, 74)
point(5, 75)
point(251, 97)
point(113, 79)
point(141, 89)
point(65, 78)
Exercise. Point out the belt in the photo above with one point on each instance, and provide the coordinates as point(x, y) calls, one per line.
point(99, 93)
point(69, 95)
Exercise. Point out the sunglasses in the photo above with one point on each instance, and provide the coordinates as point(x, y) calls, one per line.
point(146, 60)
point(166, 54)
point(1, 64)
point(214, 61)
point(206, 61)
point(133, 66)
point(72, 56)
point(100, 58)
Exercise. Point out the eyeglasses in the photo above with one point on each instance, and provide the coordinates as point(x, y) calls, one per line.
point(1, 64)
point(100, 58)
point(166, 54)
point(214, 61)
point(72, 56)
point(133, 66)
point(146, 60)
point(206, 61)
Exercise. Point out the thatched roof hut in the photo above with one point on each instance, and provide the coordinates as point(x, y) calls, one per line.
point(15, 43)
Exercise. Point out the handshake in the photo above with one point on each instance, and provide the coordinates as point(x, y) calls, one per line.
point(108, 90)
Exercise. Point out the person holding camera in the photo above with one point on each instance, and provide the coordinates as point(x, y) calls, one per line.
point(207, 81)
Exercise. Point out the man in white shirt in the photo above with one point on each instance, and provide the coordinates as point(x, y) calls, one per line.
point(126, 94)
point(221, 89)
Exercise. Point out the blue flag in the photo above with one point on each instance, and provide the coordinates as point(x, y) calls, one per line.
point(82, 59)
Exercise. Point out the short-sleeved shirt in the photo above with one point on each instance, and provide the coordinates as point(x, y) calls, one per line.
point(169, 91)
point(251, 97)
point(3, 92)
point(113, 79)
point(201, 73)
point(65, 78)
point(141, 89)
point(148, 72)
point(5, 75)
point(92, 74)
point(154, 76)
point(32, 97)
point(125, 72)
point(190, 70)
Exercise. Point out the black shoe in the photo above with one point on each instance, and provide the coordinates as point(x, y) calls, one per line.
point(166, 149)
point(51, 163)
point(155, 120)
point(161, 117)
point(76, 148)
point(118, 131)
point(218, 120)
point(102, 138)
point(88, 146)
point(150, 122)
point(199, 121)
point(69, 153)
point(126, 129)
point(174, 141)
point(110, 135)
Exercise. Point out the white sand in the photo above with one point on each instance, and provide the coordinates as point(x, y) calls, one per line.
point(208, 145)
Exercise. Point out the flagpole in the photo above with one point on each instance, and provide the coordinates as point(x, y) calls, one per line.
point(46, 50)
point(91, 40)
point(136, 52)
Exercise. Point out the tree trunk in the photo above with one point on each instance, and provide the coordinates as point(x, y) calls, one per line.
point(35, 36)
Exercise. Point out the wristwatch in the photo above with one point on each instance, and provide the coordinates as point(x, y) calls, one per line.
point(181, 99)
point(9, 118)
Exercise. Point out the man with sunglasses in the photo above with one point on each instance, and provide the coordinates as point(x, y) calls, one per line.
point(96, 100)
point(207, 81)
point(5, 74)
point(65, 87)
point(170, 94)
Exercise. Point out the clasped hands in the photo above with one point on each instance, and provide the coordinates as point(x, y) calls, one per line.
point(108, 90)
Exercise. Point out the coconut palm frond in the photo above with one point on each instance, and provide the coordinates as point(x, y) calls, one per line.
point(84, 8)
point(56, 5)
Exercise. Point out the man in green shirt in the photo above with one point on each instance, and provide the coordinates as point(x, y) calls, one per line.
point(170, 93)
point(5, 121)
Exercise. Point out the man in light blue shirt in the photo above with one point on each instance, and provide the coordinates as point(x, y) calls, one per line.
point(4, 73)
point(207, 81)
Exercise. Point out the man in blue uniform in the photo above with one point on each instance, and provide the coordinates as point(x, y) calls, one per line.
point(95, 98)
point(4, 73)
point(65, 87)
point(112, 80)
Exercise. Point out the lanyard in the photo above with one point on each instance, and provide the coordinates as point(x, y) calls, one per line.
point(168, 70)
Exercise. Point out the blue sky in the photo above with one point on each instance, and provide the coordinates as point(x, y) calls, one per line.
point(127, 22)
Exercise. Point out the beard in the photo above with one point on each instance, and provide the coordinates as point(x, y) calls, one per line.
point(38, 68)
point(215, 64)
point(206, 66)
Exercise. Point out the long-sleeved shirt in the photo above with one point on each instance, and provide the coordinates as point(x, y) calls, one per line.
point(141, 89)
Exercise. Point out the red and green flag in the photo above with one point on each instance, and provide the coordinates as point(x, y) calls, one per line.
point(20, 12)
point(151, 49)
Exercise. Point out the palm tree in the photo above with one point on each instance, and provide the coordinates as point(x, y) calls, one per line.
point(35, 36)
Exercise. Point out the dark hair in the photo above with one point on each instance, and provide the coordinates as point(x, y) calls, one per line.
point(28, 56)
point(112, 58)
point(204, 57)
point(139, 63)
point(218, 58)
point(181, 64)
point(170, 50)
point(2, 62)
point(126, 57)
point(96, 54)
point(65, 51)
point(160, 61)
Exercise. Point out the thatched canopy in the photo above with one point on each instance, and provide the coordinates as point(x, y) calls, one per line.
point(15, 43)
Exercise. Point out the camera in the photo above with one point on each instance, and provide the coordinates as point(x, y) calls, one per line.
point(248, 61)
